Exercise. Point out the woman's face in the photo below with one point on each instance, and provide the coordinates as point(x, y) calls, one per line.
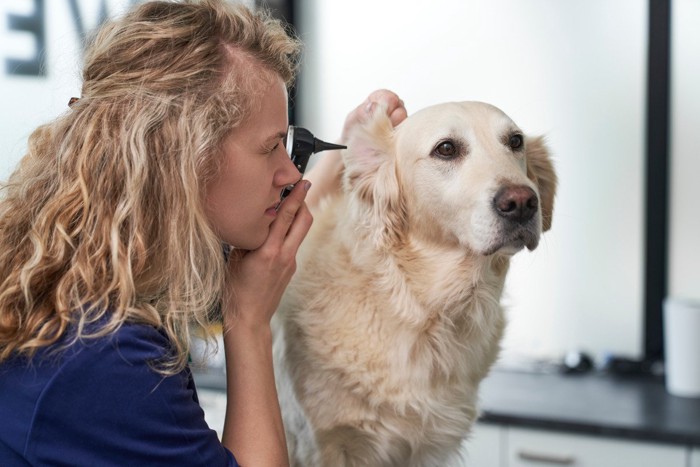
point(240, 201)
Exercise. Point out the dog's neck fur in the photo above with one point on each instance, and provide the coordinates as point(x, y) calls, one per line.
point(418, 295)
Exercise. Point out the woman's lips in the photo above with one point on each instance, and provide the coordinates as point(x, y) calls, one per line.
point(272, 210)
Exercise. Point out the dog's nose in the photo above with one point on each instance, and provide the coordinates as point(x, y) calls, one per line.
point(516, 203)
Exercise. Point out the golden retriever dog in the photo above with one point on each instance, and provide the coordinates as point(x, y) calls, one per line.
point(393, 317)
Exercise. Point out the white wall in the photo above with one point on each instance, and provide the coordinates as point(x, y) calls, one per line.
point(28, 101)
point(684, 280)
point(572, 70)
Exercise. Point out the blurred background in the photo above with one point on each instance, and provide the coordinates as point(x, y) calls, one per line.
point(588, 74)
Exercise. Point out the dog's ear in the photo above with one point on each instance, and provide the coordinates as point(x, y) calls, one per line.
point(370, 150)
point(370, 175)
point(540, 170)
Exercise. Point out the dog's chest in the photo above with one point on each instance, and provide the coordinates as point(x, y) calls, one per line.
point(392, 338)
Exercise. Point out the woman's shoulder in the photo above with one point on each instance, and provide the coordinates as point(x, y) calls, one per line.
point(124, 361)
point(132, 344)
point(113, 380)
point(128, 344)
point(136, 340)
point(132, 355)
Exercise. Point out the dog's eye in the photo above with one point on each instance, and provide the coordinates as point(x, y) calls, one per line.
point(516, 141)
point(446, 149)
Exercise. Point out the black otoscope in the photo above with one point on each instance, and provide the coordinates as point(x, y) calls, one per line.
point(301, 144)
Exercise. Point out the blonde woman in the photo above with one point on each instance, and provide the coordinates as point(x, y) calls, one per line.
point(111, 234)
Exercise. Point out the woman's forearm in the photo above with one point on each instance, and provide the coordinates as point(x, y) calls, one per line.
point(253, 429)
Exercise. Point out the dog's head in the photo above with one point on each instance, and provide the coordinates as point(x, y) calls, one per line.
point(460, 173)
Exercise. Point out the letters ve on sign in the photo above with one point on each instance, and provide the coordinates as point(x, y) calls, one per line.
point(34, 24)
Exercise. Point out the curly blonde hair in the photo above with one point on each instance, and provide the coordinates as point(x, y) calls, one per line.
point(102, 222)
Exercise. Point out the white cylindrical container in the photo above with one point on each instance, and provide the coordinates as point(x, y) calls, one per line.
point(682, 347)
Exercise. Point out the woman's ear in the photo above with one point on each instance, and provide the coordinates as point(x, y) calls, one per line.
point(540, 170)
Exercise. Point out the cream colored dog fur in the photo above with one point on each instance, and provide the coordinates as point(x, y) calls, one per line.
point(393, 317)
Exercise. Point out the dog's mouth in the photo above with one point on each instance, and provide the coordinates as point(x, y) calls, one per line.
point(514, 240)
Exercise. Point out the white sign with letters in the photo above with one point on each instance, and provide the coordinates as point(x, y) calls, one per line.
point(41, 43)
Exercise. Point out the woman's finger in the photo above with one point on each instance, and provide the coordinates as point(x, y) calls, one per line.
point(287, 213)
point(299, 228)
point(398, 115)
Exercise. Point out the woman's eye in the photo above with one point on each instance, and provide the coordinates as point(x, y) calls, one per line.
point(446, 149)
point(272, 149)
point(516, 141)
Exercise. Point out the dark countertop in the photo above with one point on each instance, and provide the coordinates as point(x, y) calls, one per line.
point(637, 408)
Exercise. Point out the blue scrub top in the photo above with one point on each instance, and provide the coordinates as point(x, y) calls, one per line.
point(100, 403)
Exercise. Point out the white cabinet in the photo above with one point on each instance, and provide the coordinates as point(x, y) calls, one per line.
point(502, 446)
point(695, 457)
point(534, 448)
point(484, 446)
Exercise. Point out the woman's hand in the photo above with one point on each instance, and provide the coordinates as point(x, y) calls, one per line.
point(395, 109)
point(326, 173)
point(258, 278)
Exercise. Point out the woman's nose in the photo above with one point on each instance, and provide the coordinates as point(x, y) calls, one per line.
point(288, 173)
